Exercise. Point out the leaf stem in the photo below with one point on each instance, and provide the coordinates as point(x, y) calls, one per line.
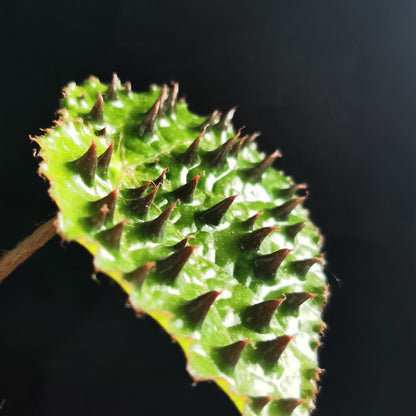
point(13, 258)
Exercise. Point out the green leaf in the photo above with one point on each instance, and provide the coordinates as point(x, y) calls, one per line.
point(154, 200)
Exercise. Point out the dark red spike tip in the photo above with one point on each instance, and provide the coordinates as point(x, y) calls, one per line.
point(97, 220)
point(295, 299)
point(273, 349)
point(230, 354)
point(140, 206)
point(214, 215)
point(251, 242)
point(103, 161)
point(209, 121)
point(196, 310)
point(156, 227)
point(159, 180)
point(255, 173)
point(258, 316)
point(288, 192)
point(138, 275)
point(218, 156)
point(181, 243)
point(238, 145)
point(301, 267)
point(265, 266)
point(287, 406)
point(257, 403)
point(249, 223)
point(293, 229)
point(97, 111)
point(186, 192)
point(251, 138)
point(109, 200)
point(127, 88)
point(163, 99)
point(226, 119)
point(111, 238)
point(283, 211)
point(148, 123)
point(86, 165)
point(135, 193)
point(169, 267)
point(191, 153)
point(112, 91)
point(170, 105)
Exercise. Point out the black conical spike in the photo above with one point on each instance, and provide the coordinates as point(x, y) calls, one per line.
point(249, 223)
point(265, 266)
point(101, 132)
point(251, 241)
point(111, 238)
point(251, 139)
point(186, 192)
point(255, 173)
point(97, 111)
point(127, 88)
point(163, 99)
point(238, 145)
point(103, 161)
point(257, 403)
point(156, 227)
point(257, 317)
point(109, 200)
point(295, 299)
point(214, 215)
point(97, 220)
point(191, 153)
point(218, 156)
point(273, 349)
point(230, 354)
point(140, 206)
point(288, 192)
point(170, 105)
point(301, 267)
point(287, 406)
point(181, 243)
point(225, 120)
point(112, 91)
point(283, 211)
point(169, 267)
point(135, 193)
point(196, 310)
point(292, 230)
point(138, 275)
point(86, 165)
point(209, 121)
point(148, 123)
point(159, 180)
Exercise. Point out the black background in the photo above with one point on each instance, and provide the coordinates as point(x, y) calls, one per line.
point(330, 83)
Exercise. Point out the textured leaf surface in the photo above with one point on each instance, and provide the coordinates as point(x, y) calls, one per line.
point(158, 210)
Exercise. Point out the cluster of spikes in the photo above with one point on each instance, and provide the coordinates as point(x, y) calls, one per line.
point(200, 230)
